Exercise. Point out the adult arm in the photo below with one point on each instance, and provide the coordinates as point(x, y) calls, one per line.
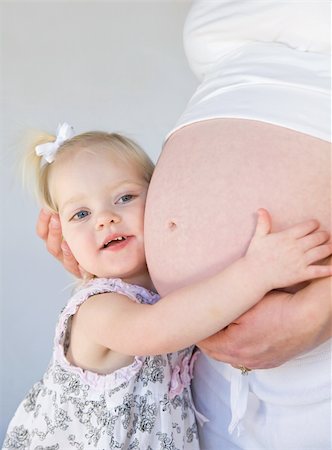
point(277, 329)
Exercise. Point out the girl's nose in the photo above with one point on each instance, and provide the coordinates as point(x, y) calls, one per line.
point(106, 218)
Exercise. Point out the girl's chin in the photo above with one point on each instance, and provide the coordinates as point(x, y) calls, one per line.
point(138, 272)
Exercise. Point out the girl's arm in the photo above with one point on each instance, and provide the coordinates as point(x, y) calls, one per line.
point(194, 312)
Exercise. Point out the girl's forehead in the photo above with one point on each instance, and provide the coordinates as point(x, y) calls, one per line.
point(92, 153)
point(93, 168)
point(88, 158)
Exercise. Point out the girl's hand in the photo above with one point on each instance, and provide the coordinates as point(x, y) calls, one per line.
point(286, 258)
point(49, 229)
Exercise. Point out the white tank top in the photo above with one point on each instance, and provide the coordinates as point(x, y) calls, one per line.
point(265, 60)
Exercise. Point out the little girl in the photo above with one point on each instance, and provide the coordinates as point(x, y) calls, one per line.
point(100, 390)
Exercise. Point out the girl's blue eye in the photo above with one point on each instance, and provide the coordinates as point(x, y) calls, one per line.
point(81, 214)
point(125, 198)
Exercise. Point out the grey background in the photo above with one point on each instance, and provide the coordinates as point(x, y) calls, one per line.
point(106, 65)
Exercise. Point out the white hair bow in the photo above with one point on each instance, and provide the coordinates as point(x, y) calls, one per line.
point(49, 150)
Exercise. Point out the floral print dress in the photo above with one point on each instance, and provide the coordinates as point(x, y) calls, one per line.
point(144, 406)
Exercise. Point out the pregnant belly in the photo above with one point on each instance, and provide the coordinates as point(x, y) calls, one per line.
point(209, 182)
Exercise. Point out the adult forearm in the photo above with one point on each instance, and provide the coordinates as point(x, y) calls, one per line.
point(277, 329)
point(316, 301)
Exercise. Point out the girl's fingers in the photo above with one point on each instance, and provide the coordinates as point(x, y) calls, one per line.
point(314, 239)
point(264, 223)
point(303, 228)
point(319, 271)
point(318, 253)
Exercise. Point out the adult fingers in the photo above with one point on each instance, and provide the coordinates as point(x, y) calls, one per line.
point(69, 261)
point(49, 229)
point(42, 224)
point(54, 237)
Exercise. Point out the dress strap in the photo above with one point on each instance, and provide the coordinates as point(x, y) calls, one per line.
point(100, 286)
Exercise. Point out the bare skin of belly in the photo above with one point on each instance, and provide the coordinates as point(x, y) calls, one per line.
point(210, 180)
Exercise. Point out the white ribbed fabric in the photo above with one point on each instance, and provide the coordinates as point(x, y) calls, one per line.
point(265, 60)
point(286, 408)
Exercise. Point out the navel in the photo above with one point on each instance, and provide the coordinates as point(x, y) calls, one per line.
point(171, 225)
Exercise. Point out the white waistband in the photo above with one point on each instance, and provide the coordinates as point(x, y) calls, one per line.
point(271, 83)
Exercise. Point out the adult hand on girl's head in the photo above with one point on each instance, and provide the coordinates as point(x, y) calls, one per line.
point(49, 229)
point(278, 328)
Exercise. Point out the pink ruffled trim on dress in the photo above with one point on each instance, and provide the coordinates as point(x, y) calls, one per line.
point(182, 375)
point(181, 378)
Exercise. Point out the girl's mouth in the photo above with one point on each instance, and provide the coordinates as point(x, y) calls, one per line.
point(114, 242)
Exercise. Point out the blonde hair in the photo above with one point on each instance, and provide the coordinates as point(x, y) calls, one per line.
point(36, 173)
